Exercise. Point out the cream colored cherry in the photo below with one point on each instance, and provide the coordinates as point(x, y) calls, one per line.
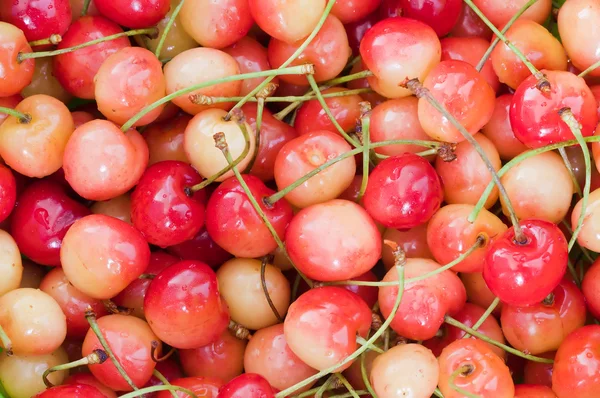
point(589, 235)
point(11, 267)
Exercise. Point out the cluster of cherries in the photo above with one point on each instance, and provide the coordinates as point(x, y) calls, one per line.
point(300, 198)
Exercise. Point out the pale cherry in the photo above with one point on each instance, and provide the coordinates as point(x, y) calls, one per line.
point(589, 235)
point(500, 12)
point(44, 82)
point(118, 207)
point(11, 265)
point(579, 28)
point(500, 132)
point(413, 242)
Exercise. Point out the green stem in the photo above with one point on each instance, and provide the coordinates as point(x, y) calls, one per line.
point(438, 393)
point(365, 122)
point(372, 347)
point(451, 381)
point(206, 100)
point(6, 342)
point(348, 386)
point(148, 31)
point(23, 118)
point(86, 6)
point(164, 380)
point(52, 40)
point(365, 376)
point(485, 316)
point(168, 27)
point(567, 162)
point(325, 386)
point(147, 390)
point(594, 66)
point(96, 357)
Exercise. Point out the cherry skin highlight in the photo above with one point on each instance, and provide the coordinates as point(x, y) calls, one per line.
point(138, 14)
point(37, 19)
point(71, 391)
point(247, 385)
point(15, 76)
point(589, 287)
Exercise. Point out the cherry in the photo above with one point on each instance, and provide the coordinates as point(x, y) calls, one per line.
point(233, 223)
point(510, 266)
point(396, 49)
point(478, 292)
point(139, 14)
point(223, 358)
point(374, 98)
point(405, 370)
point(539, 372)
point(500, 12)
point(76, 70)
point(201, 248)
point(533, 391)
point(440, 15)
point(41, 220)
point(8, 192)
point(322, 324)
point(589, 286)
point(413, 243)
point(589, 235)
point(354, 372)
point(357, 29)
point(15, 75)
point(301, 155)
point(577, 166)
point(425, 302)
point(71, 391)
point(247, 385)
point(328, 52)
point(101, 255)
point(38, 19)
point(403, 192)
point(464, 93)
point(81, 117)
point(289, 21)
point(202, 386)
point(470, 25)
point(578, 26)
point(119, 207)
point(44, 82)
point(87, 379)
point(367, 293)
point(171, 371)
point(335, 240)
point(500, 132)
point(165, 139)
point(77, 8)
point(534, 115)
point(576, 364)
point(130, 339)
point(595, 90)
point(349, 11)
point(181, 300)
point(11, 264)
point(476, 369)
point(269, 355)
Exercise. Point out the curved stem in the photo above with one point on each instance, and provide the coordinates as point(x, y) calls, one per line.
point(565, 158)
point(154, 347)
point(365, 376)
point(438, 393)
point(207, 100)
point(365, 124)
point(112, 308)
point(451, 321)
point(593, 67)
point(164, 380)
point(325, 386)
point(168, 27)
point(147, 390)
point(148, 31)
point(52, 40)
point(23, 118)
point(91, 318)
point(263, 282)
point(462, 370)
point(96, 357)
point(347, 385)
point(484, 316)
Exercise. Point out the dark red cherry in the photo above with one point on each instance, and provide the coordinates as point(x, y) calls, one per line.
point(367, 293)
point(356, 30)
point(134, 14)
point(163, 208)
point(8, 192)
point(71, 391)
point(591, 288)
point(441, 15)
point(37, 19)
point(523, 274)
point(403, 192)
point(246, 386)
point(201, 248)
point(41, 220)
point(470, 25)
point(234, 224)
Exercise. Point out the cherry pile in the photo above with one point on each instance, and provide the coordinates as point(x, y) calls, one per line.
point(300, 198)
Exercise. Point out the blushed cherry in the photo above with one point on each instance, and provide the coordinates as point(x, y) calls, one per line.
point(510, 266)
point(140, 14)
point(349, 11)
point(76, 70)
point(440, 15)
point(246, 385)
point(302, 155)
point(372, 97)
point(589, 235)
point(450, 234)
point(9, 102)
point(35, 149)
point(471, 50)
point(500, 132)
point(32, 274)
point(413, 243)
point(577, 166)
point(405, 370)
point(289, 21)
point(328, 52)
point(478, 292)
point(368, 293)
point(131, 340)
point(180, 323)
point(101, 162)
point(403, 192)
point(8, 192)
point(165, 139)
point(223, 358)
point(11, 264)
point(269, 355)
point(425, 302)
point(200, 65)
point(15, 75)
point(539, 372)
point(251, 56)
point(578, 28)
point(576, 363)
point(464, 93)
point(71, 391)
point(101, 255)
point(530, 196)
point(500, 12)
point(88, 379)
point(44, 82)
point(38, 19)
point(201, 248)
point(470, 25)
point(396, 49)
point(81, 117)
point(483, 372)
point(335, 240)
point(589, 287)
point(533, 391)
point(202, 386)
point(322, 324)
point(119, 207)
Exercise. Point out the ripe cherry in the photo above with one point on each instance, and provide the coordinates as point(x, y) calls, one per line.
point(374, 98)
point(356, 31)
point(165, 139)
point(589, 235)
point(247, 385)
point(533, 391)
point(8, 192)
point(44, 82)
point(201, 248)
point(590, 289)
point(139, 14)
point(368, 293)
point(578, 28)
point(500, 132)
point(15, 75)
point(470, 25)
point(251, 56)
point(38, 19)
point(440, 15)
point(403, 192)
point(500, 12)
point(88, 379)
point(412, 241)
point(539, 372)
point(11, 264)
point(202, 386)
point(349, 11)
point(510, 267)
point(71, 391)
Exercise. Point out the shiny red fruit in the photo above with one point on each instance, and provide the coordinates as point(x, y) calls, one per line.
point(134, 14)
point(8, 192)
point(71, 391)
point(37, 19)
point(201, 248)
point(441, 15)
point(591, 289)
point(246, 386)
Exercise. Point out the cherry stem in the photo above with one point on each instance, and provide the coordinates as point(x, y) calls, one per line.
point(496, 40)
point(221, 143)
point(365, 127)
point(295, 55)
point(567, 116)
point(164, 380)
point(365, 376)
point(86, 6)
point(372, 347)
point(23, 118)
point(451, 321)
point(438, 393)
point(296, 286)
point(240, 332)
point(543, 83)
point(165, 33)
point(207, 100)
point(463, 370)
point(346, 384)
point(361, 349)
point(96, 357)
point(112, 308)
point(263, 282)
point(147, 390)
point(485, 316)
point(6, 342)
point(260, 110)
point(54, 39)
point(352, 62)
point(593, 67)
point(567, 163)
point(148, 31)
point(293, 70)
point(154, 347)
point(90, 316)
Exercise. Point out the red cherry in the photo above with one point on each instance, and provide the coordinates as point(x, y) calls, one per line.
point(170, 370)
point(89, 379)
point(367, 293)
point(246, 386)
point(201, 248)
point(41, 220)
point(441, 15)
point(591, 289)
point(470, 25)
point(353, 10)
point(181, 300)
point(71, 391)
point(523, 274)
point(8, 192)
point(403, 192)
point(534, 115)
point(500, 132)
point(202, 386)
point(499, 12)
point(576, 364)
point(37, 19)
point(356, 30)
point(15, 75)
point(539, 372)
point(533, 391)
point(136, 14)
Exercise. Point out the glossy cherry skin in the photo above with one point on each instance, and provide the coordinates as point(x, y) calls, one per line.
point(424, 303)
point(203, 387)
point(500, 12)
point(543, 326)
point(356, 30)
point(165, 139)
point(403, 192)
point(470, 25)
point(38, 19)
point(8, 192)
point(201, 248)
point(374, 98)
point(500, 132)
point(489, 378)
point(101, 255)
point(578, 28)
point(138, 14)
point(335, 240)
point(590, 288)
point(251, 56)
point(82, 377)
point(441, 15)
point(322, 324)
point(181, 300)
point(41, 220)
point(510, 268)
point(130, 339)
point(247, 385)
point(233, 223)
point(412, 241)
point(576, 364)
point(533, 391)
point(76, 70)
point(349, 11)
point(534, 116)
point(14, 76)
point(538, 372)
point(71, 391)
point(396, 49)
